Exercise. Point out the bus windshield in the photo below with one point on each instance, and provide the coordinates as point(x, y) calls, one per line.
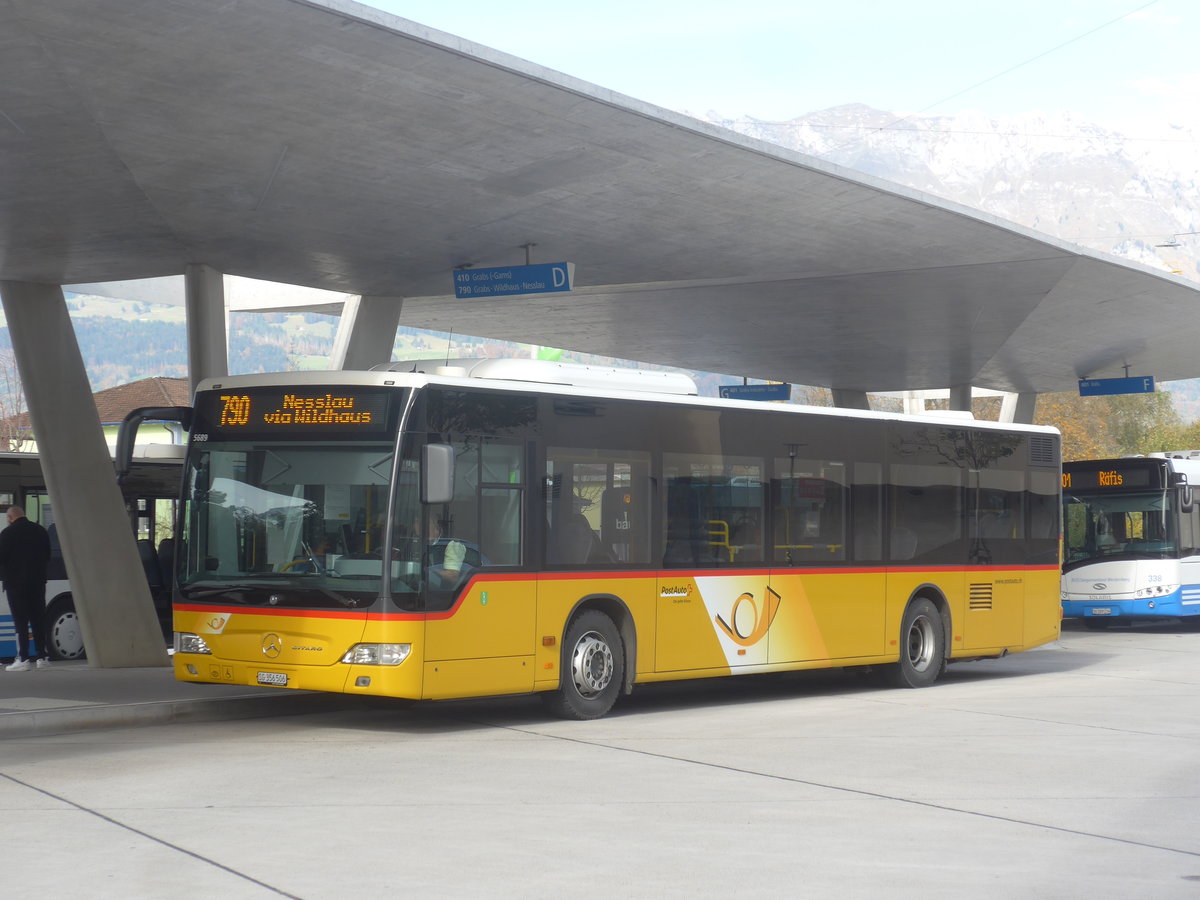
point(293, 524)
point(1126, 526)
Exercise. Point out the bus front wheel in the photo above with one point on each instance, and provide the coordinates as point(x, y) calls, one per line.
point(592, 668)
point(64, 637)
point(922, 646)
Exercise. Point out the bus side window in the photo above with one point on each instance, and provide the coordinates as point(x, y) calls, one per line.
point(684, 538)
point(597, 506)
point(810, 498)
point(623, 521)
point(866, 504)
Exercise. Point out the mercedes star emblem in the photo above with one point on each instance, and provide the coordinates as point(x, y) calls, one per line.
point(272, 645)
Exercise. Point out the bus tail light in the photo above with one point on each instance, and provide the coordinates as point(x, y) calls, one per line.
point(377, 654)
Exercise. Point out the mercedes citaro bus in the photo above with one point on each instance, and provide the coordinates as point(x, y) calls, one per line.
point(496, 527)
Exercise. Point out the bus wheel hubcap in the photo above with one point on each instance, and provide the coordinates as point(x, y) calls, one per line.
point(591, 665)
point(920, 644)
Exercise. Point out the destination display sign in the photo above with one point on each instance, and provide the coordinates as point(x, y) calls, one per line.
point(768, 392)
point(324, 410)
point(510, 281)
point(1103, 387)
point(1116, 477)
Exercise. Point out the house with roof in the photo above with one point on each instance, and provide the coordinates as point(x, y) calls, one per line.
point(112, 405)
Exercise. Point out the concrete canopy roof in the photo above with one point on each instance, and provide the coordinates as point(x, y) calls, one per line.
point(325, 144)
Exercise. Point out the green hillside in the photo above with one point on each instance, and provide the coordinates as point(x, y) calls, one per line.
point(123, 341)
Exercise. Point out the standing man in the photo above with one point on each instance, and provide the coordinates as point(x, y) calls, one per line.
point(24, 555)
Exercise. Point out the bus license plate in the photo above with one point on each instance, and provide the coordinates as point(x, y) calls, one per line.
point(1101, 611)
point(279, 679)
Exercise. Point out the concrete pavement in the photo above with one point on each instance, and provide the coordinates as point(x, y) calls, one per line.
point(1062, 773)
point(69, 696)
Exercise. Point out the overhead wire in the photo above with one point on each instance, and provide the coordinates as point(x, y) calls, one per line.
point(1023, 63)
point(1079, 37)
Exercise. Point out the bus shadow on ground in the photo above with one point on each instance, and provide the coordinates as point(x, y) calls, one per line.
point(451, 716)
point(401, 717)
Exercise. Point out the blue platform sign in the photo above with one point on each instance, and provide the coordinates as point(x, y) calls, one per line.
point(510, 281)
point(756, 391)
point(1103, 387)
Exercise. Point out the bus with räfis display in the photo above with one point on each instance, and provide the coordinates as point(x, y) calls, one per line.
point(1131, 538)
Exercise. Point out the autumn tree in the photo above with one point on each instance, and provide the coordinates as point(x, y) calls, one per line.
point(1120, 425)
point(1144, 423)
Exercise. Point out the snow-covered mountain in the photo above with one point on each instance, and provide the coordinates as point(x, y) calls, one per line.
point(1122, 194)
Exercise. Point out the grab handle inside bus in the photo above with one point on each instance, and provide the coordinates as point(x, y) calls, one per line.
point(437, 473)
point(127, 434)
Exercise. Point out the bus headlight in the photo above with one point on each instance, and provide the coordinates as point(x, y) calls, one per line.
point(1157, 591)
point(186, 642)
point(377, 654)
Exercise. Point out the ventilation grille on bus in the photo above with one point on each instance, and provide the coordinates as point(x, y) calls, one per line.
point(1041, 451)
point(981, 597)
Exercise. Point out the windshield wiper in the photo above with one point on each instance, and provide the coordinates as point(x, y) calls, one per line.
point(348, 602)
point(200, 593)
point(237, 591)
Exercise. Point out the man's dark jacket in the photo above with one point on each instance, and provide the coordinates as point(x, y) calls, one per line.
point(24, 553)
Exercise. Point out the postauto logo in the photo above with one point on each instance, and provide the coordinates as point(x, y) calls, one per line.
point(750, 623)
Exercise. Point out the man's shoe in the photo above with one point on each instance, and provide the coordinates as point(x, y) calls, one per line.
point(21, 665)
point(42, 663)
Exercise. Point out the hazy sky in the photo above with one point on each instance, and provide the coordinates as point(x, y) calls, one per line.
point(778, 60)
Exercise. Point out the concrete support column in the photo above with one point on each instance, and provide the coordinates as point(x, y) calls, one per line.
point(960, 397)
point(914, 403)
point(1018, 408)
point(116, 612)
point(366, 333)
point(850, 399)
point(204, 299)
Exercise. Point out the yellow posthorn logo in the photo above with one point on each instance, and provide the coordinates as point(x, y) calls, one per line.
point(760, 620)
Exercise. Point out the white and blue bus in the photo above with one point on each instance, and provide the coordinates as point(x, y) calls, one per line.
point(1131, 529)
point(150, 493)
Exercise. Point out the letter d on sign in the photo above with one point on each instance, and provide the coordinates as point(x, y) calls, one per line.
point(559, 275)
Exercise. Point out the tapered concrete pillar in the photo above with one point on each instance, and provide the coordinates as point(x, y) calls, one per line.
point(204, 299)
point(116, 613)
point(366, 333)
point(960, 397)
point(850, 399)
point(914, 403)
point(1018, 408)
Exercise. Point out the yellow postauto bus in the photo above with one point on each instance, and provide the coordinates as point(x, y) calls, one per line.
point(497, 527)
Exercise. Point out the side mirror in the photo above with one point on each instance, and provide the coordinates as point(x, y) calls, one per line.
point(127, 434)
point(1180, 480)
point(437, 473)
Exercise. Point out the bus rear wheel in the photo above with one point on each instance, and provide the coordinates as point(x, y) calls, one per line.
point(64, 637)
point(922, 646)
point(592, 668)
